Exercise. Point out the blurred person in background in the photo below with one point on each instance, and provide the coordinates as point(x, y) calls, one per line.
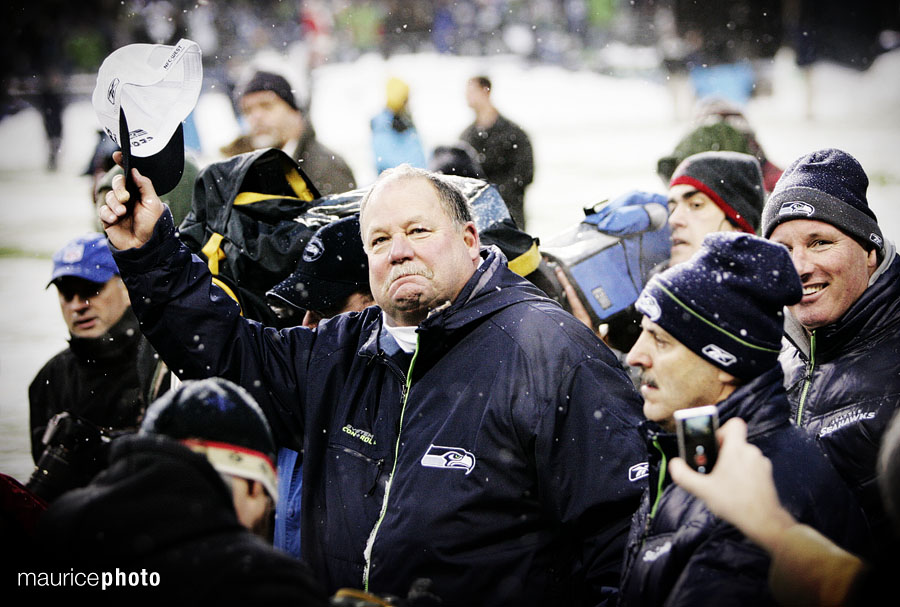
point(395, 140)
point(503, 149)
point(270, 108)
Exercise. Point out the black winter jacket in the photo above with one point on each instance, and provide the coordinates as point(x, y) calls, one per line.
point(498, 466)
point(328, 171)
point(843, 382)
point(680, 555)
point(505, 155)
point(162, 508)
point(98, 379)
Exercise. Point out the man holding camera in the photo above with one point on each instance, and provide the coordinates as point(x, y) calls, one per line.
point(711, 334)
point(97, 377)
point(841, 364)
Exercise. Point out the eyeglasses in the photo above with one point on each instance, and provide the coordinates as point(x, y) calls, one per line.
point(69, 287)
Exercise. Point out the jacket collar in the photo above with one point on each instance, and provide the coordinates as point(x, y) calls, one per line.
point(491, 288)
point(112, 345)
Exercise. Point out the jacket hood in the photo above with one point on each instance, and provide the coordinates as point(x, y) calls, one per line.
point(491, 288)
point(868, 315)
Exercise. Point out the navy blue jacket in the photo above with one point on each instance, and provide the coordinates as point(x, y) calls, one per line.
point(680, 554)
point(843, 383)
point(498, 463)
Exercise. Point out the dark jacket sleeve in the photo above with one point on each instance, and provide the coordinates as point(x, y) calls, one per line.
point(587, 447)
point(523, 171)
point(199, 332)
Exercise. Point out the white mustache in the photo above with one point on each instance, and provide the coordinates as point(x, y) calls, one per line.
point(409, 269)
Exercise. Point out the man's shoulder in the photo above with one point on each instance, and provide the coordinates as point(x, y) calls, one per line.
point(540, 325)
point(505, 123)
point(349, 332)
point(61, 360)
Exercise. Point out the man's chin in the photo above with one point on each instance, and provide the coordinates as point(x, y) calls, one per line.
point(265, 141)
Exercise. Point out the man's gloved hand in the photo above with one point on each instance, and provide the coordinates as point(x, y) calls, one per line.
point(627, 214)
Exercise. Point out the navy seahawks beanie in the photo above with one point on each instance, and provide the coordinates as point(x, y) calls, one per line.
point(726, 303)
point(827, 185)
point(732, 180)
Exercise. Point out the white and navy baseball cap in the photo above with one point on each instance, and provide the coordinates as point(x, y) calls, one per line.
point(144, 92)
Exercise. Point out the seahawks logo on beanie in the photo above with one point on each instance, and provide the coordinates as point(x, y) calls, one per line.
point(829, 186)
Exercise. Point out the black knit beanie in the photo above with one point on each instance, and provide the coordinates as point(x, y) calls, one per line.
point(731, 179)
point(726, 303)
point(220, 420)
point(267, 81)
point(827, 185)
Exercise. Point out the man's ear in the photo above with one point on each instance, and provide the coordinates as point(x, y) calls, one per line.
point(255, 488)
point(872, 261)
point(728, 379)
point(472, 240)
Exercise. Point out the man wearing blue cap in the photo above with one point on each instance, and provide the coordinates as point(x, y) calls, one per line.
point(96, 376)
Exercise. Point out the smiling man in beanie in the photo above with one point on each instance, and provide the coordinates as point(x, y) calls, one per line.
point(276, 120)
point(711, 335)
point(841, 364)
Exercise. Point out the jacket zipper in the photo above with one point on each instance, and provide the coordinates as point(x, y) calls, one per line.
point(387, 489)
point(659, 482)
point(809, 373)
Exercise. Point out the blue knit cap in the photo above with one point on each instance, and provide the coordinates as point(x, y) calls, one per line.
point(726, 302)
point(827, 185)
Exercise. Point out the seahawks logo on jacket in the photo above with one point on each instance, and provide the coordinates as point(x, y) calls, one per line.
point(448, 457)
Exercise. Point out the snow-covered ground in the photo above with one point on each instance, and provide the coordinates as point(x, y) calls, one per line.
point(594, 137)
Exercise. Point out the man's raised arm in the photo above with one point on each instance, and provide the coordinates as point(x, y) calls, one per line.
point(129, 224)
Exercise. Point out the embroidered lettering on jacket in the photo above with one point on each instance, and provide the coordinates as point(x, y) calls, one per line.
point(845, 420)
point(448, 457)
point(366, 437)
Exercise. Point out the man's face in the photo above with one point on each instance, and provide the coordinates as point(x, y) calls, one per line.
point(833, 268)
point(476, 95)
point(271, 120)
point(90, 309)
point(692, 215)
point(672, 376)
point(418, 257)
